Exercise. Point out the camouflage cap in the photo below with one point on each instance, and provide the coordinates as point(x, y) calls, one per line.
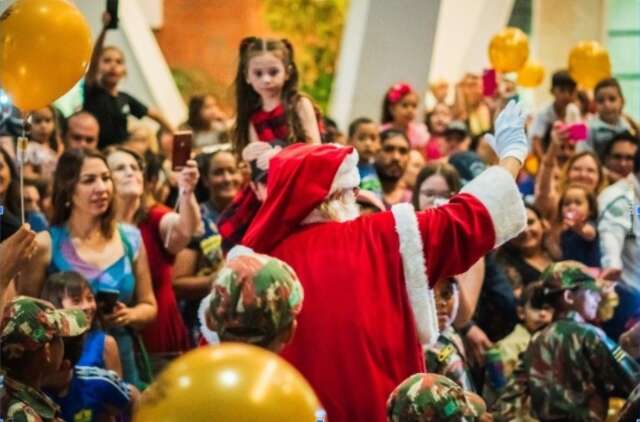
point(254, 299)
point(565, 275)
point(433, 397)
point(29, 323)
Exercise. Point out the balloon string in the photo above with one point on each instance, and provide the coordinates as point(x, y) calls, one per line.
point(22, 153)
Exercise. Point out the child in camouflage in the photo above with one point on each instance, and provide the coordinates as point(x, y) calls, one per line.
point(571, 368)
point(447, 356)
point(31, 335)
point(533, 317)
point(433, 397)
point(255, 299)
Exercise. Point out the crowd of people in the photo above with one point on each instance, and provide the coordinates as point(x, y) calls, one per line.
point(541, 328)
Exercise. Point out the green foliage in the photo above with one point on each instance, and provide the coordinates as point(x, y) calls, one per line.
point(315, 29)
point(192, 82)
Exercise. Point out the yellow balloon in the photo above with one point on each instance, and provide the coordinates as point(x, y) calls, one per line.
point(589, 63)
point(231, 382)
point(531, 75)
point(509, 50)
point(45, 46)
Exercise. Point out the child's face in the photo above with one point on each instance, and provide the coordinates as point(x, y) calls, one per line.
point(535, 318)
point(42, 125)
point(440, 119)
point(416, 162)
point(111, 67)
point(609, 104)
point(404, 111)
point(586, 303)
point(367, 141)
point(563, 96)
point(575, 205)
point(210, 110)
point(86, 302)
point(447, 301)
point(267, 75)
point(31, 199)
point(585, 172)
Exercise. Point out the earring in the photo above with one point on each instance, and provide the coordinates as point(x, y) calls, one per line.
point(67, 204)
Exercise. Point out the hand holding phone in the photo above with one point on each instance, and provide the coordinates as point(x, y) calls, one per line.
point(489, 83)
point(577, 132)
point(181, 152)
point(112, 10)
point(106, 300)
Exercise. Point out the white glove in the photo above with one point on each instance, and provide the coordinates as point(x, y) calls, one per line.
point(510, 139)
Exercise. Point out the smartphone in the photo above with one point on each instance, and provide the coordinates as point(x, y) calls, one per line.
point(577, 132)
point(112, 9)
point(181, 152)
point(489, 83)
point(106, 300)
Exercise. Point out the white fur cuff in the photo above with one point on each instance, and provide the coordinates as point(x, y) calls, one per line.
point(498, 192)
point(416, 280)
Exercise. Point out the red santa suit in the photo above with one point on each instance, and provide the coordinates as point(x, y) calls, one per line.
point(368, 303)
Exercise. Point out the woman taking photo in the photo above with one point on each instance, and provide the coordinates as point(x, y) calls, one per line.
point(164, 233)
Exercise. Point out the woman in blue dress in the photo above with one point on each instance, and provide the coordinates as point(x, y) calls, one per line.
point(85, 238)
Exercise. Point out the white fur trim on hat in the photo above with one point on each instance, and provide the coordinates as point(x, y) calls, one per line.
point(416, 280)
point(498, 192)
point(208, 334)
point(347, 176)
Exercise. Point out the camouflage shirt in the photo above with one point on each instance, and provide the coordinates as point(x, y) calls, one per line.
point(569, 371)
point(22, 403)
point(447, 357)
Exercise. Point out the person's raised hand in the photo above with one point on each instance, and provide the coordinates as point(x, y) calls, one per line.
point(510, 139)
point(106, 19)
point(188, 177)
point(15, 253)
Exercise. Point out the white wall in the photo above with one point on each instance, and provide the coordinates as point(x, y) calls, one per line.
point(384, 42)
point(409, 40)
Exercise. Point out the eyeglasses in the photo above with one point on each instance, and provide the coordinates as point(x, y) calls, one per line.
point(432, 194)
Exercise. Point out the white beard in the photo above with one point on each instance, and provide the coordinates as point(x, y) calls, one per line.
point(342, 209)
point(345, 208)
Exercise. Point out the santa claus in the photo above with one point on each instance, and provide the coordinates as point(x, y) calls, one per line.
point(368, 301)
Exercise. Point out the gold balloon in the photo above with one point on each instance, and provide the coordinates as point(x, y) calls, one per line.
point(231, 382)
point(531, 75)
point(589, 63)
point(509, 50)
point(45, 46)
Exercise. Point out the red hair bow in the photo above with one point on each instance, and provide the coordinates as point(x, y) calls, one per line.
point(397, 91)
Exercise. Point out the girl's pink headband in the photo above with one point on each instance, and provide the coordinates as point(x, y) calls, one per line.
point(397, 91)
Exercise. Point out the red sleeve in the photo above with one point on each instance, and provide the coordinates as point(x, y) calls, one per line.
point(454, 236)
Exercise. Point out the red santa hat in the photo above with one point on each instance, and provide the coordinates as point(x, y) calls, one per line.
point(300, 178)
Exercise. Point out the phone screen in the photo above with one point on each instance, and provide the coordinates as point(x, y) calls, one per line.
point(112, 9)
point(181, 149)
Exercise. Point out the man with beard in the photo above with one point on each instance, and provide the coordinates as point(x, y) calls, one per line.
point(391, 163)
point(368, 303)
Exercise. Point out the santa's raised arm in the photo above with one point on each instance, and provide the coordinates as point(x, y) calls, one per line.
point(368, 303)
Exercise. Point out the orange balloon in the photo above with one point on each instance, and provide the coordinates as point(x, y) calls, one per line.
point(231, 382)
point(531, 75)
point(509, 50)
point(589, 63)
point(45, 46)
